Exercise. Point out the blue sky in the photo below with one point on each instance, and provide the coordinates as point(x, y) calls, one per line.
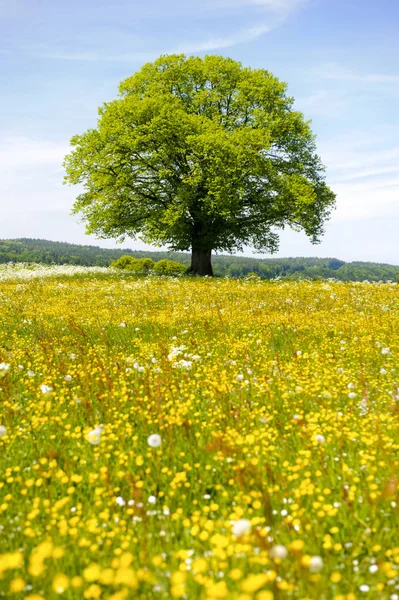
point(60, 60)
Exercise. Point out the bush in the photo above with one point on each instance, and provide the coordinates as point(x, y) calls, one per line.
point(169, 267)
point(146, 264)
point(135, 265)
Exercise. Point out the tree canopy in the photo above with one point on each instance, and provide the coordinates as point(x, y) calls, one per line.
point(200, 154)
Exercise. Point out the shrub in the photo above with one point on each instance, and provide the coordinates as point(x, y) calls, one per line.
point(135, 265)
point(169, 267)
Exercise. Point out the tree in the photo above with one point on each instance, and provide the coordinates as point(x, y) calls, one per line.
point(200, 154)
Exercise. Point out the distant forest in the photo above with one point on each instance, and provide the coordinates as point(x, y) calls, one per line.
point(60, 253)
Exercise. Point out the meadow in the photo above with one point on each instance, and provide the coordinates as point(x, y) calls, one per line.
point(197, 438)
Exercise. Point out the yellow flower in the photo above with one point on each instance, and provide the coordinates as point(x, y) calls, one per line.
point(17, 585)
point(199, 566)
point(94, 592)
point(11, 560)
point(265, 595)
point(92, 572)
point(107, 576)
point(235, 574)
point(60, 583)
point(217, 590)
point(297, 545)
point(254, 582)
point(122, 595)
point(76, 581)
point(126, 575)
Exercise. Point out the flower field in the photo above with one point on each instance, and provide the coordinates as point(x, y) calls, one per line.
point(186, 438)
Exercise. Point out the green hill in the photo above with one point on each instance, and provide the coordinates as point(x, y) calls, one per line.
point(46, 252)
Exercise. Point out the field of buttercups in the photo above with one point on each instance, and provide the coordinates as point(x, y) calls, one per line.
point(186, 438)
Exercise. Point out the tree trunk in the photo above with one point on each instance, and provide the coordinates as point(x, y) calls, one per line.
point(201, 262)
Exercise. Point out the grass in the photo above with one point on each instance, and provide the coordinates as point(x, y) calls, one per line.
point(277, 407)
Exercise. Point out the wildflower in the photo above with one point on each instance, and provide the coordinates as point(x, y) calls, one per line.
point(94, 436)
point(385, 351)
point(46, 390)
point(68, 378)
point(154, 440)
point(279, 552)
point(373, 568)
point(364, 588)
point(315, 564)
point(17, 585)
point(60, 583)
point(254, 582)
point(4, 367)
point(152, 499)
point(3, 431)
point(241, 527)
point(320, 438)
point(120, 501)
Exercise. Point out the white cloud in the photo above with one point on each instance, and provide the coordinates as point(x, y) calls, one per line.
point(274, 13)
point(187, 47)
point(364, 173)
point(18, 152)
point(338, 72)
point(323, 103)
point(245, 35)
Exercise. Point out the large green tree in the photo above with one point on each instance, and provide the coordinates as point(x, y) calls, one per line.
point(201, 154)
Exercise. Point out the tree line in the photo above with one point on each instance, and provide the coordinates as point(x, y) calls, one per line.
point(47, 252)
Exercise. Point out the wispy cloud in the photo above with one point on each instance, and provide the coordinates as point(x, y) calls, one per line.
point(273, 14)
point(338, 72)
point(364, 173)
point(188, 47)
point(323, 103)
point(19, 152)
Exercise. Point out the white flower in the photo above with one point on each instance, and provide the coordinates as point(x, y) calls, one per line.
point(240, 377)
point(373, 568)
point(94, 436)
point(3, 431)
point(278, 551)
point(315, 564)
point(154, 440)
point(364, 588)
point(122, 324)
point(4, 367)
point(241, 527)
point(385, 350)
point(68, 378)
point(352, 395)
point(120, 501)
point(183, 364)
point(46, 389)
point(320, 438)
point(152, 499)
point(31, 373)
point(383, 371)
